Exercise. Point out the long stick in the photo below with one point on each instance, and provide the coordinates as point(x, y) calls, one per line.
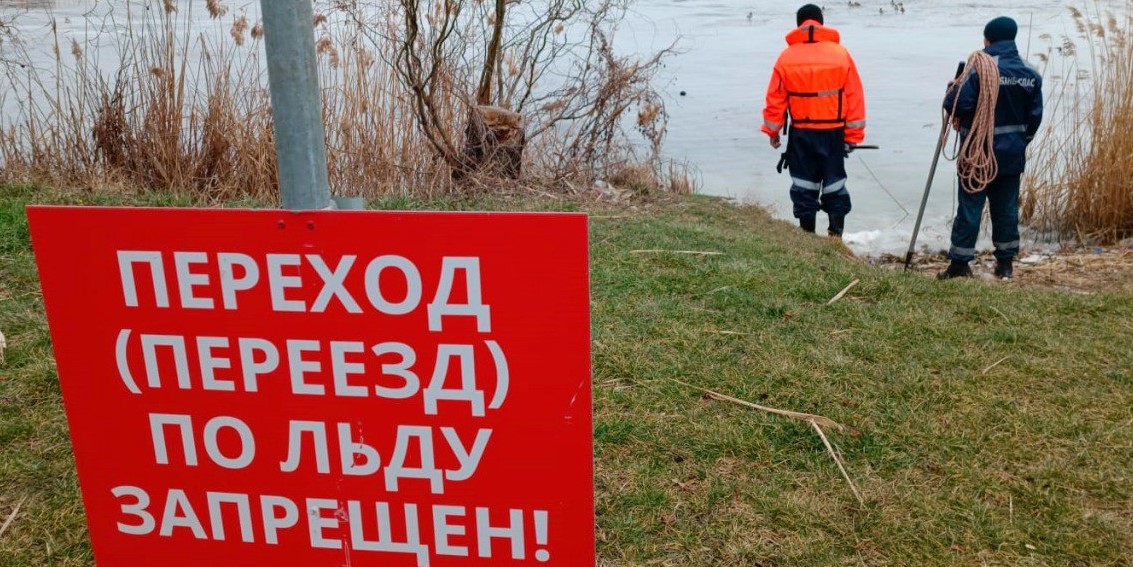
point(928, 185)
point(924, 199)
point(12, 516)
point(838, 461)
point(807, 417)
point(843, 293)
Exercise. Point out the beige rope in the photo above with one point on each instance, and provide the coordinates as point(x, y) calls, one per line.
point(975, 157)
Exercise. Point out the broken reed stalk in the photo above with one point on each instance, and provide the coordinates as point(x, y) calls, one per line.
point(816, 421)
point(687, 252)
point(12, 516)
point(994, 364)
point(838, 461)
point(843, 293)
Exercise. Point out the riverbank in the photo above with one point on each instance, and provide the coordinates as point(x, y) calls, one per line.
point(1086, 270)
point(986, 423)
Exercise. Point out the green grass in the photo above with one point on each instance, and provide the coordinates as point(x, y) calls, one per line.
point(1028, 464)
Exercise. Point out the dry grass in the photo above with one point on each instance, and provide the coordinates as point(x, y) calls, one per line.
point(184, 108)
point(1081, 186)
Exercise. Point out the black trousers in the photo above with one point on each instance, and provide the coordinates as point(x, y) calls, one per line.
point(817, 161)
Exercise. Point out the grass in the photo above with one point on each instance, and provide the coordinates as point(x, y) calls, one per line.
point(1026, 464)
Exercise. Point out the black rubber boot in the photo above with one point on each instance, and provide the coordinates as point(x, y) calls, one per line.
point(956, 269)
point(837, 225)
point(807, 224)
point(1004, 269)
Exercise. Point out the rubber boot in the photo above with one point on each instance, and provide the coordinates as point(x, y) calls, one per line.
point(1004, 269)
point(837, 225)
point(807, 224)
point(956, 269)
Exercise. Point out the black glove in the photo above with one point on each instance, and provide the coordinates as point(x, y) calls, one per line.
point(847, 148)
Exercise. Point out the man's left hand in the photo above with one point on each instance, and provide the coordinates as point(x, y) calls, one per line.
point(775, 142)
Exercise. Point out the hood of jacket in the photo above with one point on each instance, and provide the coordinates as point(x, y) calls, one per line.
point(813, 32)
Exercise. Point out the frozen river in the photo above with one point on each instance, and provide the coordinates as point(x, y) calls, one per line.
point(905, 61)
point(727, 48)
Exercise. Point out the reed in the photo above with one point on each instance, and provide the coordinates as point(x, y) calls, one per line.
point(1081, 184)
point(184, 107)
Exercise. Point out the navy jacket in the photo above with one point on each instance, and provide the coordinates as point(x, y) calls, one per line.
point(1018, 113)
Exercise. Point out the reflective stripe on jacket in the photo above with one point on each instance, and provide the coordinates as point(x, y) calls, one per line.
point(816, 82)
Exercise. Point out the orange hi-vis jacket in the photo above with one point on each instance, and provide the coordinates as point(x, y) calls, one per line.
point(816, 82)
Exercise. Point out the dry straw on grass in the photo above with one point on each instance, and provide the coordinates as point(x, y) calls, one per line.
point(816, 421)
point(1081, 186)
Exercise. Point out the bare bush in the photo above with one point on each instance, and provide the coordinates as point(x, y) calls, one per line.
point(552, 62)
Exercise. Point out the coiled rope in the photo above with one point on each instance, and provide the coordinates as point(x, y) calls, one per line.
point(975, 155)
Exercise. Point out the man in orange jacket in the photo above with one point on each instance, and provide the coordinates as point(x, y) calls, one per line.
point(815, 86)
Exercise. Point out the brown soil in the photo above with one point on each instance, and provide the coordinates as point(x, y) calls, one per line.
point(1089, 270)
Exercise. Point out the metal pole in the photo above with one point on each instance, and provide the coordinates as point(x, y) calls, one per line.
point(289, 37)
point(928, 185)
point(924, 200)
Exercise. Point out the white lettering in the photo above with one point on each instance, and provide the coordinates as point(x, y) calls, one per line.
point(243, 511)
point(279, 283)
point(317, 523)
point(442, 530)
point(436, 390)
point(187, 280)
point(177, 501)
point(300, 367)
point(413, 285)
point(400, 369)
point(469, 459)
point(427, 471)
point(385, 541)
point(210, 363)
point(126, 261)
point(229, 283)
point(351, 452)
point(333, 284)
point(318, 431)
point(440, 306)
point(1026, 82)
point(180, 359)
point(274, 522)
point(247, 442)
point(342, 370)
point(252, 369)
point(138, 509)
point(157, 423)
point(485, 533)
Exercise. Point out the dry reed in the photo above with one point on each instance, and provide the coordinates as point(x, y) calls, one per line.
point(185, 108)
point(1081, 186)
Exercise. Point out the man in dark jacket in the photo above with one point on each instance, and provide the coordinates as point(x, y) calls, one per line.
point(1018, 113)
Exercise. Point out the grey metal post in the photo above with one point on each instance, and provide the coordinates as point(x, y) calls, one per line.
point(928, 185)
point(924, 199)
point(289, 37)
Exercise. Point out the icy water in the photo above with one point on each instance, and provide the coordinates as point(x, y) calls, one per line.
point(727, 48)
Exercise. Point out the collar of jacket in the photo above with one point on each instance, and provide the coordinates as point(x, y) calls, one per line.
point(1005, 48)
point(802, 34)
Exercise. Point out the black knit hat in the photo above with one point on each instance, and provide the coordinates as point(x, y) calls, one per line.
point(1001, 29)
point(809, 12)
